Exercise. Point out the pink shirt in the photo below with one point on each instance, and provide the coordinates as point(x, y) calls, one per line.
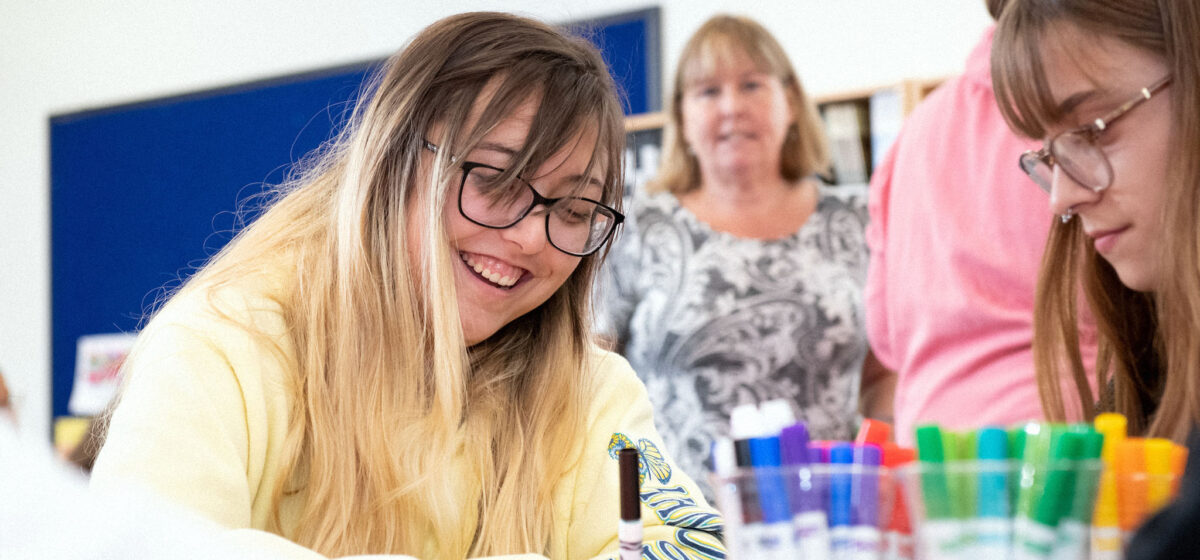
point(956, 236)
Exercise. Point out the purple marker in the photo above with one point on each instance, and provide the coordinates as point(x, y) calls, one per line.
point(864, 531)
point(809, 523)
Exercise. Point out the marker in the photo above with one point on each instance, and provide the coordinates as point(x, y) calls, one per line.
point(729, 499)
point(1072, 543)
point(841, 505)
point(958, 449)
point(1158, 473)
point(865, 537)
point(629, 531)
point(1131, 486)
point(745, 423)
point(939, 533)
point(810, 525)
point(1106, 529)
point(1035, 528)
point(876, 432)
point(898, 541)
point(772, 538)
point(1179, 456)
point(993, 515)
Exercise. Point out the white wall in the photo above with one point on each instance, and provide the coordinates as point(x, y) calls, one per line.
point(62, 56)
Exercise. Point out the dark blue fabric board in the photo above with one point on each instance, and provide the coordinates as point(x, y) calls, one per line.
point(142, 194)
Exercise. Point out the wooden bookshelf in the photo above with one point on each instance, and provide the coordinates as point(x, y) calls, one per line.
point(902, 98)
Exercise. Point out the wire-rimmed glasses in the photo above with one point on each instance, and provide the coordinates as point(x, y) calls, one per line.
point(1076, 151)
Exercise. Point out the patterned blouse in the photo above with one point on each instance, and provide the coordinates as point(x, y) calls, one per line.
point(710, 321)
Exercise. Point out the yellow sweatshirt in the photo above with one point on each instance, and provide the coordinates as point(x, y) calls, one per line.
point(203, 414)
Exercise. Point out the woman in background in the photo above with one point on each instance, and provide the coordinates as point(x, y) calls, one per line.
point(738, 277)
point(396, 357)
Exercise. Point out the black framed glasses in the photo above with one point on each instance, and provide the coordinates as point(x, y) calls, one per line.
point(1077, 152)
point(575, 225)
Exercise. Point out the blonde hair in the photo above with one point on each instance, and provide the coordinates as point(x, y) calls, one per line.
point(385, 388)
point(1149, 344)
point(805, 149)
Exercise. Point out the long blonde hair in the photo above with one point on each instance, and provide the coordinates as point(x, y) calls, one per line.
point(805, 149)
point(1148, 361)
point(384, 387)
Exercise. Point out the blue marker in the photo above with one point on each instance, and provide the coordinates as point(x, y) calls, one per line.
point(841, 502)
point(992, 526)
point(772, 538)
point(809, 522)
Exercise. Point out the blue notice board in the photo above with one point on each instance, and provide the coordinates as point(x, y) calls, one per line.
point(143, 194)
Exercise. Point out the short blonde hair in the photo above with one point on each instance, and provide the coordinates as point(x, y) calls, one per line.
point(716, 44)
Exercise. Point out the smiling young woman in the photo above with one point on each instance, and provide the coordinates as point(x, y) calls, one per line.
point(396, 357)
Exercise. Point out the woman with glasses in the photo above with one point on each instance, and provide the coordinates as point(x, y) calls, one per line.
point(1111, 86)
point(738, 277)
point(1113, 89)
point(396, 357)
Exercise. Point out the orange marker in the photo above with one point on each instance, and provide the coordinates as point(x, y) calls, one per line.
point(1131, 484)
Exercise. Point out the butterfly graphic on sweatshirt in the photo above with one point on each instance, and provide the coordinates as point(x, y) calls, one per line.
point(651, 460)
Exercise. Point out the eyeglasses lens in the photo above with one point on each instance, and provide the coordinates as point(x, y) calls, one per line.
point(1082, 160)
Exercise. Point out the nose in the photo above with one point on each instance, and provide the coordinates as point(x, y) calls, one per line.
point(731, 101)
point(1066, 193)
point(530, 233)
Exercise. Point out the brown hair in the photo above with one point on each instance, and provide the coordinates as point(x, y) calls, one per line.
point(805, 149)
point(1148, 361)
point(383, 386)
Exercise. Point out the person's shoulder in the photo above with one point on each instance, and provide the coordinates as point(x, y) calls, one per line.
point(851, 197)
point(243, 312)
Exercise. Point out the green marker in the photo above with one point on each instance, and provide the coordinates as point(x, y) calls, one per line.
point(1053, 483)
point(940, 532)
point(1075, 525)
point(959, 452)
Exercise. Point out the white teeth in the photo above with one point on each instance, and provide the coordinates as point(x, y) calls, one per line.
point(493, 277)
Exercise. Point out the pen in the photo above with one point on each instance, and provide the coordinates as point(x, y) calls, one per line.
point(629, 531)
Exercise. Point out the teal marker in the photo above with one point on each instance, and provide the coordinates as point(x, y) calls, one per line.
point(940, 533)
point(993, 521)
point(1074, 527)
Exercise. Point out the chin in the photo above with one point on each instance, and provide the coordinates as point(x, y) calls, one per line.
point(1138, 280)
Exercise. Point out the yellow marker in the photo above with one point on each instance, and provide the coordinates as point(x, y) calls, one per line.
point(1106, 530)
point(1158, 473)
